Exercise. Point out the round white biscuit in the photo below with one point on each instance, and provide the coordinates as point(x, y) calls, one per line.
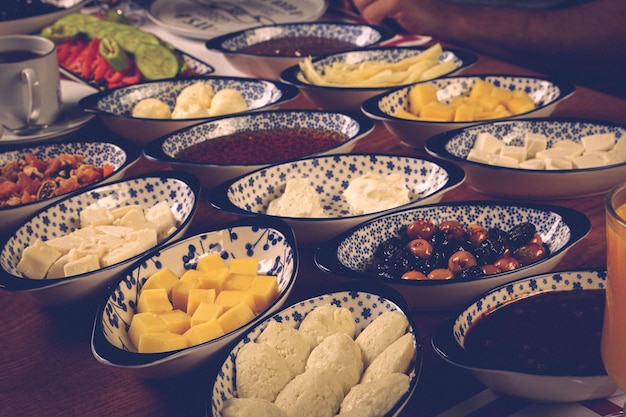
point(248, 407)
point(339, 354)
point(314, 393)
point(379, 395)
point(396, 358)
point(325, 320)
point(292, 345)
point(380, 333)
point(261, 371)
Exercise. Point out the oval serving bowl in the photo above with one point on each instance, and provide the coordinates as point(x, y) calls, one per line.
point(545, 92)
point(180, 189)
point(120, 155)
point(114, 107)
point(348, 254)
point(449, 340)
point(455, 146)
point(270, 65)
point(271, 241)
point(365, 303)
point(351, 98)
point(166, 149)
point(330, 175)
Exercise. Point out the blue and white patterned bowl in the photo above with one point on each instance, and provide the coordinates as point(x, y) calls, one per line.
point(365, 302)
point(119, 154)
point(180, 189)
point(348, 254)
point(115, 106)
point(448, 341)
point(545, 92)
point(165, 149)
point(271, 241)
point(330, 175)
point(271, 65)
point(542, 184)
point(351, 98)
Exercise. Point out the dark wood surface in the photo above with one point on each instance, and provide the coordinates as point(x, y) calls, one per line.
point(46, 364)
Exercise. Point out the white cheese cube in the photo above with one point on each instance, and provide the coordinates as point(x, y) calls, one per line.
point(598, 142)
point(37, 258)
point(535, 142)
point(616, 156)
point(555, 153)
point(95, 215)
point(512, 151)
point(559, 163)
point(161, 215)
point(82, 265)
point(89, 234)
point(505, 161)
point(480, 156)
point(533, 163)
point(109, 242)
point(119, 231)
point(487, 142)
point(119, 212)
point(146, 238)
point(590, 160)
point(135, 218)
point(121, 253)
point(56, 269)
point(90, 248)
point(65, 244)
point(574, 148)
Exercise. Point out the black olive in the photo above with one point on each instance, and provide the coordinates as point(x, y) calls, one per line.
point(520, 234)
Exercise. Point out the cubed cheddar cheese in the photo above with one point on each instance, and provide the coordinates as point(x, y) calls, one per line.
point(230, 298)
point(197, 296)
point(163, 278)
point(177, 320)
point(214, 278)
point(520, 104)
point(465, 112)
point(210, 262)
point(161, 342)
point(235, 317)
point(245, 266)
point(143, 323)
point(180, 294)
point(420, 95)
point(191, 275)
point(502, 94)
point(238, 282)
point(264, 288)
point(206, 312)
point(404, 114)
point(436, 111)
point(481, 88)
point(153, 300)
point(203, 332)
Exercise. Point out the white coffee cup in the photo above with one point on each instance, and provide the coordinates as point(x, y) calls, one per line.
point(30, 88)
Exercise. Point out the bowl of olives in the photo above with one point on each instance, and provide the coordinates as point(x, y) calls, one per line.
point(443, 255)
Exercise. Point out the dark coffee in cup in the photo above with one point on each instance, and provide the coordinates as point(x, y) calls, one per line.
point(9, 57)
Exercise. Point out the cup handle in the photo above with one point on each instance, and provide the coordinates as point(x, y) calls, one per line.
point(34, 95)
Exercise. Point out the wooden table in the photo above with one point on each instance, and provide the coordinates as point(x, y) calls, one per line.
point(47, 368)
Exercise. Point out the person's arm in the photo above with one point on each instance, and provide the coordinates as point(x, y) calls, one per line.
point(593, 31)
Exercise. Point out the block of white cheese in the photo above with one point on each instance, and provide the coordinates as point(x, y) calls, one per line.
point(298, 200)
point(487, 142)
point(535, 142)
point(37, 258)
point(598, 142)
point(374, 192)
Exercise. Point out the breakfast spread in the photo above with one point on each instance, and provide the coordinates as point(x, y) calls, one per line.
point(202, 304)
point(590, 151)
point(106, 236)
point(342, 374)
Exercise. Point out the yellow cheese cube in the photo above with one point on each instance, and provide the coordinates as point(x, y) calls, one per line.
point(265, 290)
point(247, 266)
point(496, 114)
point(153, 300)
point(489, 103)
point(420, 95)
point(405, 114)
point(520, 104)
point(230, 298)
point(206, 312)
point(143, 323)
point(163, 278)
point(210, 262)
point(503, 94)
point(180, 294)
point(465, 113)
point(238, 282)
point(437, 111)
point(214, 278)
point(235, 317)
point(197, 296)
point(161, 342)
point(203, 332)
point(177, 320)
point(191, 275)
point(480, 89)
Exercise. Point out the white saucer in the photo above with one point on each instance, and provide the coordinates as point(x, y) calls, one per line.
point(72, 119)
point(206, 19)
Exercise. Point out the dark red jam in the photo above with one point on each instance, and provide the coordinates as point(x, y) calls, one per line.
point(299, 46)
point(262, 146)
point(553, 333)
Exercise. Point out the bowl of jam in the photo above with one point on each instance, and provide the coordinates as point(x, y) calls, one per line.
point(265, 51)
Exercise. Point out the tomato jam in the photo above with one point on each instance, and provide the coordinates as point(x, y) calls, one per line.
point(299, 46)
point(262, 146)
point(553, 333)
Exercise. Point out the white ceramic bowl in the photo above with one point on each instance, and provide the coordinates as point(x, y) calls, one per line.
point(349, 254)
point(180, 189)
point(330, 175)
point(34, 23)
point(114, 107)
point(119, 154)
point(545, 92)
point(455, 145)
point(166, 149)
point(351, 98)
point(365, 303)
point(271, 241)
point(449, 340)
point(270, 65)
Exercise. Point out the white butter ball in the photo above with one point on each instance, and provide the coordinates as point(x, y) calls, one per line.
point(152, 108)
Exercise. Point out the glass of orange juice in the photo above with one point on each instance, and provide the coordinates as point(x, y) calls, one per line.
point(613, 346)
